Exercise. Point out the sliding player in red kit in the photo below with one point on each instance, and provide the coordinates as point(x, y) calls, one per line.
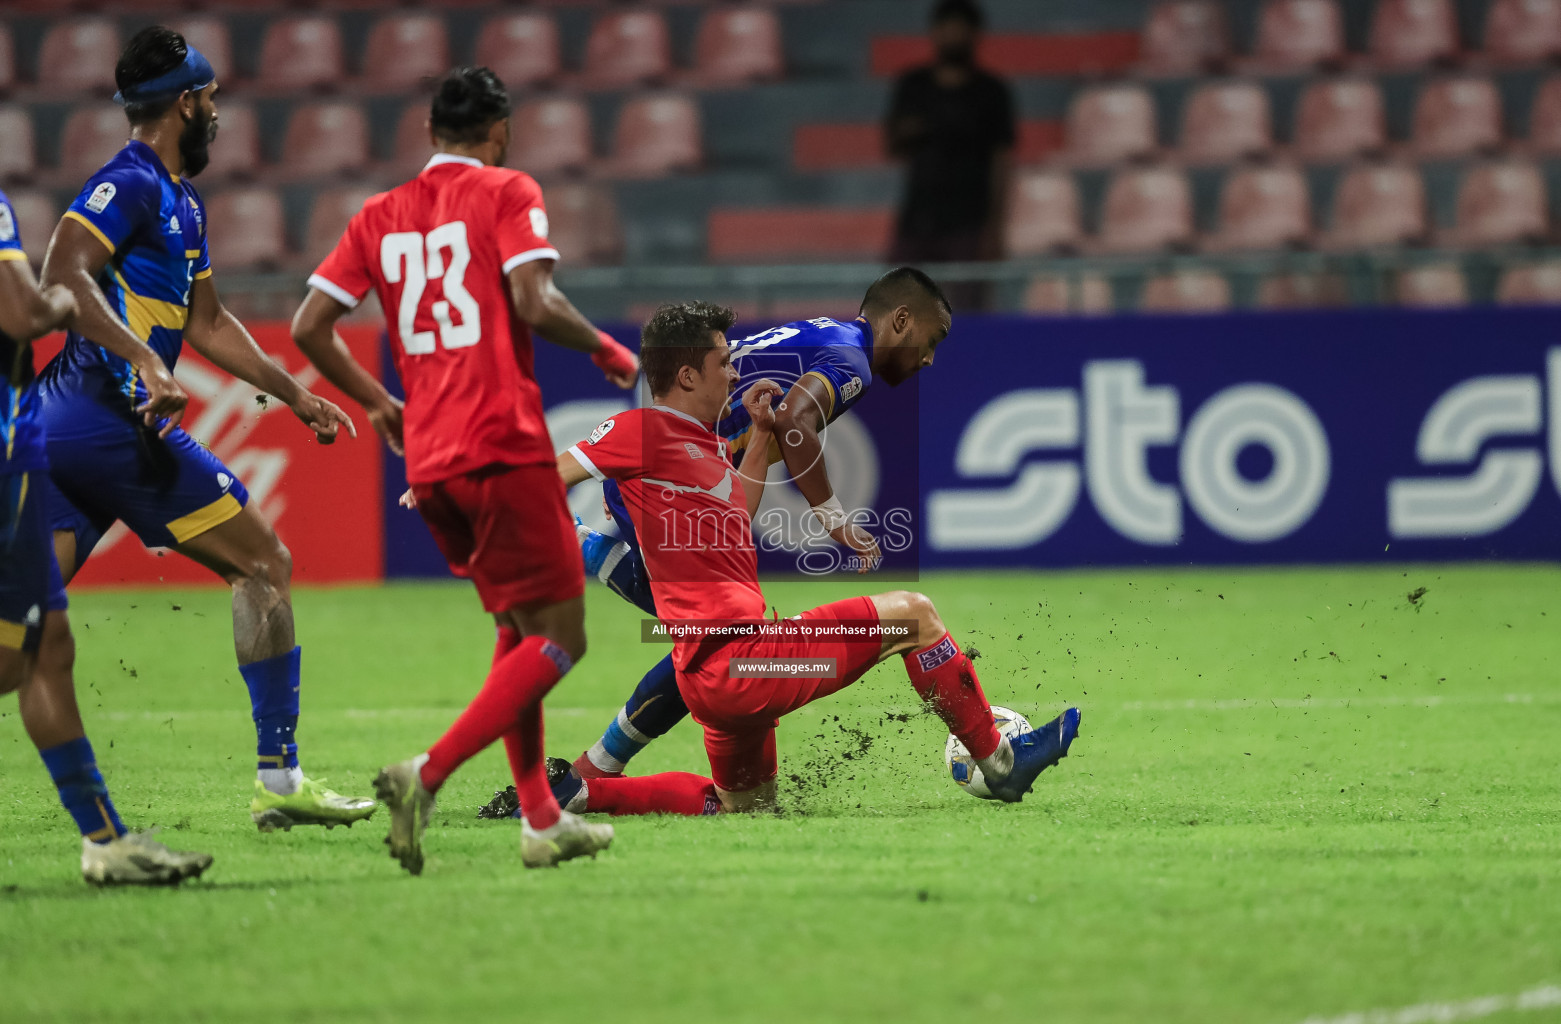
point(460, 261)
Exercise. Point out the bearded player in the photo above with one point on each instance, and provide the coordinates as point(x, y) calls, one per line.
point(461, 254)
point(132, 251)
point(692, 512)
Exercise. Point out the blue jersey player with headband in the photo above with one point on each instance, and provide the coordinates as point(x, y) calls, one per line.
point(132, 250)
point(36, 648)
point(826, 366)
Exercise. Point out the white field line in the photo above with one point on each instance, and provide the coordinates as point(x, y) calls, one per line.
point(1545, 997)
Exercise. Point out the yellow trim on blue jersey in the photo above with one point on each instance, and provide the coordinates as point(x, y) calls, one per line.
point(192, 254)
point(73, 215)
point(12, 254)
point(203, 275)
point(142, 314)
point(829, 414)
point(740, 443)
point(202, 519)
point(13, 635)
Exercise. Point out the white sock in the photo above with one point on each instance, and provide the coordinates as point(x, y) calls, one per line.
point(282, 781)
point(999, 763)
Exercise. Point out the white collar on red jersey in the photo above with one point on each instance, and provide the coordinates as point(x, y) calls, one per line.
point(451, 158)
point(680, 413)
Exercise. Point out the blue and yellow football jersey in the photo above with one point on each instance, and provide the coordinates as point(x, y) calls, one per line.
point(155, 225)
point(839, 354)
point(20, 424)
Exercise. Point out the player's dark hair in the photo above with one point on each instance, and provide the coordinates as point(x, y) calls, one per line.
point(678, 335)
point(152, 52)
point(902, 286)
point(967, 11)
point(467, 103)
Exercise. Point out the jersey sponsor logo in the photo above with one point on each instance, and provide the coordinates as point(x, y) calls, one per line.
point(173, 223)
point(539, 222)
point(851, 388)
point(101, 197)
point(224, 481)
point(7, 225)
point(600, 432)
point(939, 654)
point(693, 450)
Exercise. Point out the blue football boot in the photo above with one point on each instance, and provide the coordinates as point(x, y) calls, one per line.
point(1034, 752)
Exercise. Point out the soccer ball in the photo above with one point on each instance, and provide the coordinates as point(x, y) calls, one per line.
point(962, 767)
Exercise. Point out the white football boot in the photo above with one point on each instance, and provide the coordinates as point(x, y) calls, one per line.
point(137, 859)
point(572, 837)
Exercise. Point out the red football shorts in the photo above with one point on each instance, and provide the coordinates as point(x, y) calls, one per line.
point(509, 531)
point(739, 715)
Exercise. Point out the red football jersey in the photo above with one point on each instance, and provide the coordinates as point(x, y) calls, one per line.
point(689, 512)
point(436, 251)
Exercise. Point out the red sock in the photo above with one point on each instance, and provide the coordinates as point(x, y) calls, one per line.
point(520, 679)
point(527, 764)
point(667, 793)
point(947, 682)
point(586, 769)
point(508, 639)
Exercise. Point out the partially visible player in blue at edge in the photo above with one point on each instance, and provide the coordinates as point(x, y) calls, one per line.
point(132, 251)
point(37, 652)
point(827, 366)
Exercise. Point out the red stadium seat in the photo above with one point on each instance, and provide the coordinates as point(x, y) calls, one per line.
point(1405, 33)
point(627, 48)
point(1056, 295)
point(1456, 117)
point(1187, 291)
point(1339, 119)
point(404, 50)
point(799, 233)
point(325, 139)
point(1299, 34)
point(551, 135)
point(8, 74)
point(79, 56)
point(236, 153)
point(1435, 286)
point(736, 45)
point(1303, 291)
point(301, 53)
point(37, 215)
point(1533, 284)
point(1522, 31)
point(583, 223)
point(210, 36)
point(1264, 208)
point(91, 136)
point(657, 135)
point(1500, 203)
point(19, 155)
point(522, 49)
point(1185, 36)
point(328, 217)
point(1377, 205)
point(1146, 210)
point(1225, 121)
point(246, 229)
point(1043, 214)
point(1544, 126)
point(1109, 124)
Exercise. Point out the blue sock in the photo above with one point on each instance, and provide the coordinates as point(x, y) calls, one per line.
point(655, 708)
point(273, 696)
point(74, 769)
point(618, 564)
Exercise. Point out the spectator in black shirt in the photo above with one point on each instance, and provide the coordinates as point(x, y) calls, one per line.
point(953, 124)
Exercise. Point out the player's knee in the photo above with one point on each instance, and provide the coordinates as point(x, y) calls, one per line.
point(56, 647)
point(271, 566)
point(919, 608)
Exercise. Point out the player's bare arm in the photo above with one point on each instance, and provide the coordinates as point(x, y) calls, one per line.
point(539, 301)
point(25, 311)
point(75, 259)
point(314, 332)
point(759, 402)
point(217, 334)
point(798, 421)
point(570, 470)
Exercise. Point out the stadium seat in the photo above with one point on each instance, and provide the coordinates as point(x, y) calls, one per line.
point(1043, 214)
point(1406, 33)
point(1146, 209)
point(1263, 208)
point(79, 56)
point(325, 139)
point(412, 147)
point(246, 229)
point(799, 234)
point(236, 153)
point(1184, 37)
point(1378, 205)
point(1456, 117)
point(1109, 124)
point(1434, 286)
point(301, 53)
point(328, 217)
point(1339, 119)
point(551, 135)
point(19, 155)
point(1056, 295)
point(8, 75)
point(522, 49)
point(37, 215)
point(404, 50)
point(1225, 121)
point(1303, 291)
point(1522, 31)
point(211, 37)
point(1500, 203)
point(1186, 291)
point(583, 223)
point(1531, 284)
point(657, 135)
point(1544, 126)
point(627, 48)
point(92, 135)
point(1295, 34)
point(736, 45)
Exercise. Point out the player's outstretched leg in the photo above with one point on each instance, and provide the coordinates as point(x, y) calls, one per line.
point(650, 713)
point(247, 553)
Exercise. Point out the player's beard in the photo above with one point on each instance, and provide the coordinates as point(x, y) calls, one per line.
point(195, 142)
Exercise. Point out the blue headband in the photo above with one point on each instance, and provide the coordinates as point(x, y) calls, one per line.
point(193, 75)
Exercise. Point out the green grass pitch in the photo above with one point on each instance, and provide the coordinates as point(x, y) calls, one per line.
point(1297, 794)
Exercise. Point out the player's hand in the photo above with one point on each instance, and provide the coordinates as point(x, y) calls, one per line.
point(165, 399)
point(323, 417)
point(759, 401)
point(617, 362)
point(863, 543)
point(386, 421)
point(408, 500)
